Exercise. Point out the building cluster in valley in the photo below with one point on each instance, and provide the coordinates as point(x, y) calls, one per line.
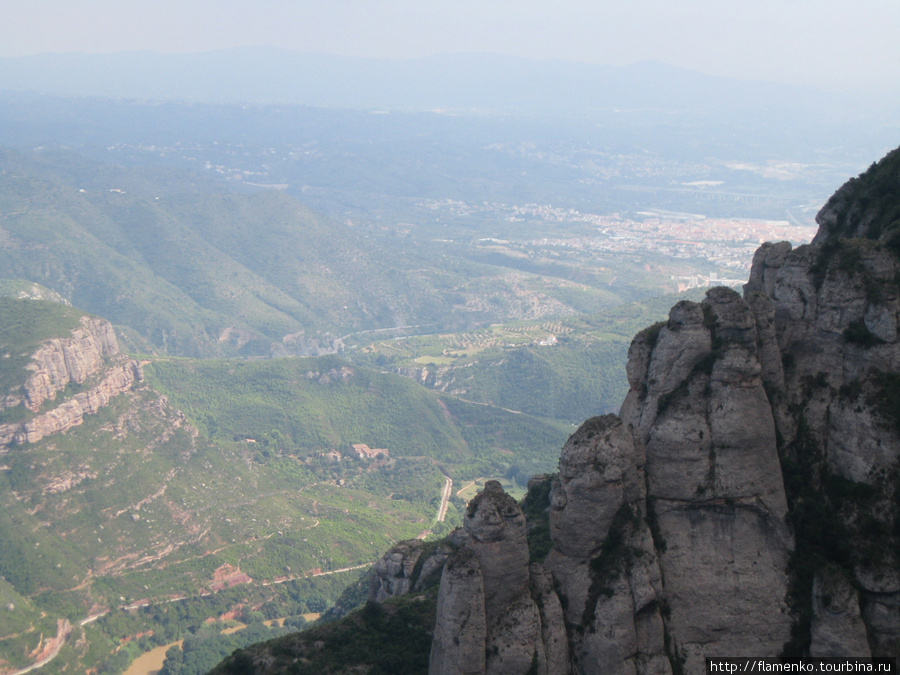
point(725, 242)
point(361, 451)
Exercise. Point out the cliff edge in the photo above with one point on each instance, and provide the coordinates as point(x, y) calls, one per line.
point(67, 378)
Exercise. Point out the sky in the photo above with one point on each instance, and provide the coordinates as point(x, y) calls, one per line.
point(837, 44)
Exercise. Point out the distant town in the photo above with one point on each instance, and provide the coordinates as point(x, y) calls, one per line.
point(727, 243)
point(714, 250)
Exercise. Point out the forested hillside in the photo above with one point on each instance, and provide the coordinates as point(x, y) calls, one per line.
point(190, 267)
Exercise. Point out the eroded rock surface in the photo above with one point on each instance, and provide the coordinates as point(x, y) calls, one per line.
point(496, 612)
point(408, 567)
point(89, 359)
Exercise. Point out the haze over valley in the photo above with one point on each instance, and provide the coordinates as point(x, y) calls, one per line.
point(255, 331)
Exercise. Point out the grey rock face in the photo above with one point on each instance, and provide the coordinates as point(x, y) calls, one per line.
point(460, 632)
point(554, 641)
point(488, 592)
point(603, 559)
point(837, 627)
point(411, 566)
point(598, 472)
point(714, 479)
point(725, 580)
point(673, 530)
point(496, 525)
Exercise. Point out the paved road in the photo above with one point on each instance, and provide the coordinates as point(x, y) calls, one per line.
point(445, 499)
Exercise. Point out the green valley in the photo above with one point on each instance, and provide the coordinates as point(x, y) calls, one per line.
point(255, 480)
point(262, 485)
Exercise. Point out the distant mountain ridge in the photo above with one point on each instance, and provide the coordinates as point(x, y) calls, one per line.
point(474, 82)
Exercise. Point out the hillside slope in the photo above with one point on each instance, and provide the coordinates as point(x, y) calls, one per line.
point(130, 516)
point(745, 501)
point(193, 268)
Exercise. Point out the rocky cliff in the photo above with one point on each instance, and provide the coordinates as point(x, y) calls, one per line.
point(745, 500)
point(68, 378)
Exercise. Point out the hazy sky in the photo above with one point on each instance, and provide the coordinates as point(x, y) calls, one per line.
point(844, 42)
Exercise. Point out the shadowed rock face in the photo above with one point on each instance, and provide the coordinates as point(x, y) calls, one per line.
point(865, 207)
point(460, 636)
point(745, 502)
point(496, 526)
point(411, 566)
point(598, 473)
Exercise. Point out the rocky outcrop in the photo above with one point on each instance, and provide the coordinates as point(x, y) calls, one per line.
point(90, 360)
point(699, 406)
point(865, 207)
point(603, 562)
point(837, 628)
point(63, 361)
point(410, 566)
point(746, 500)
point(496, 612)
point(836, 308)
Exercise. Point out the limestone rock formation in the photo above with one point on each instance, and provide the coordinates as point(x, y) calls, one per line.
point(603, 563)
point(496, 613)
point(746, 500)
point(89, 359)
